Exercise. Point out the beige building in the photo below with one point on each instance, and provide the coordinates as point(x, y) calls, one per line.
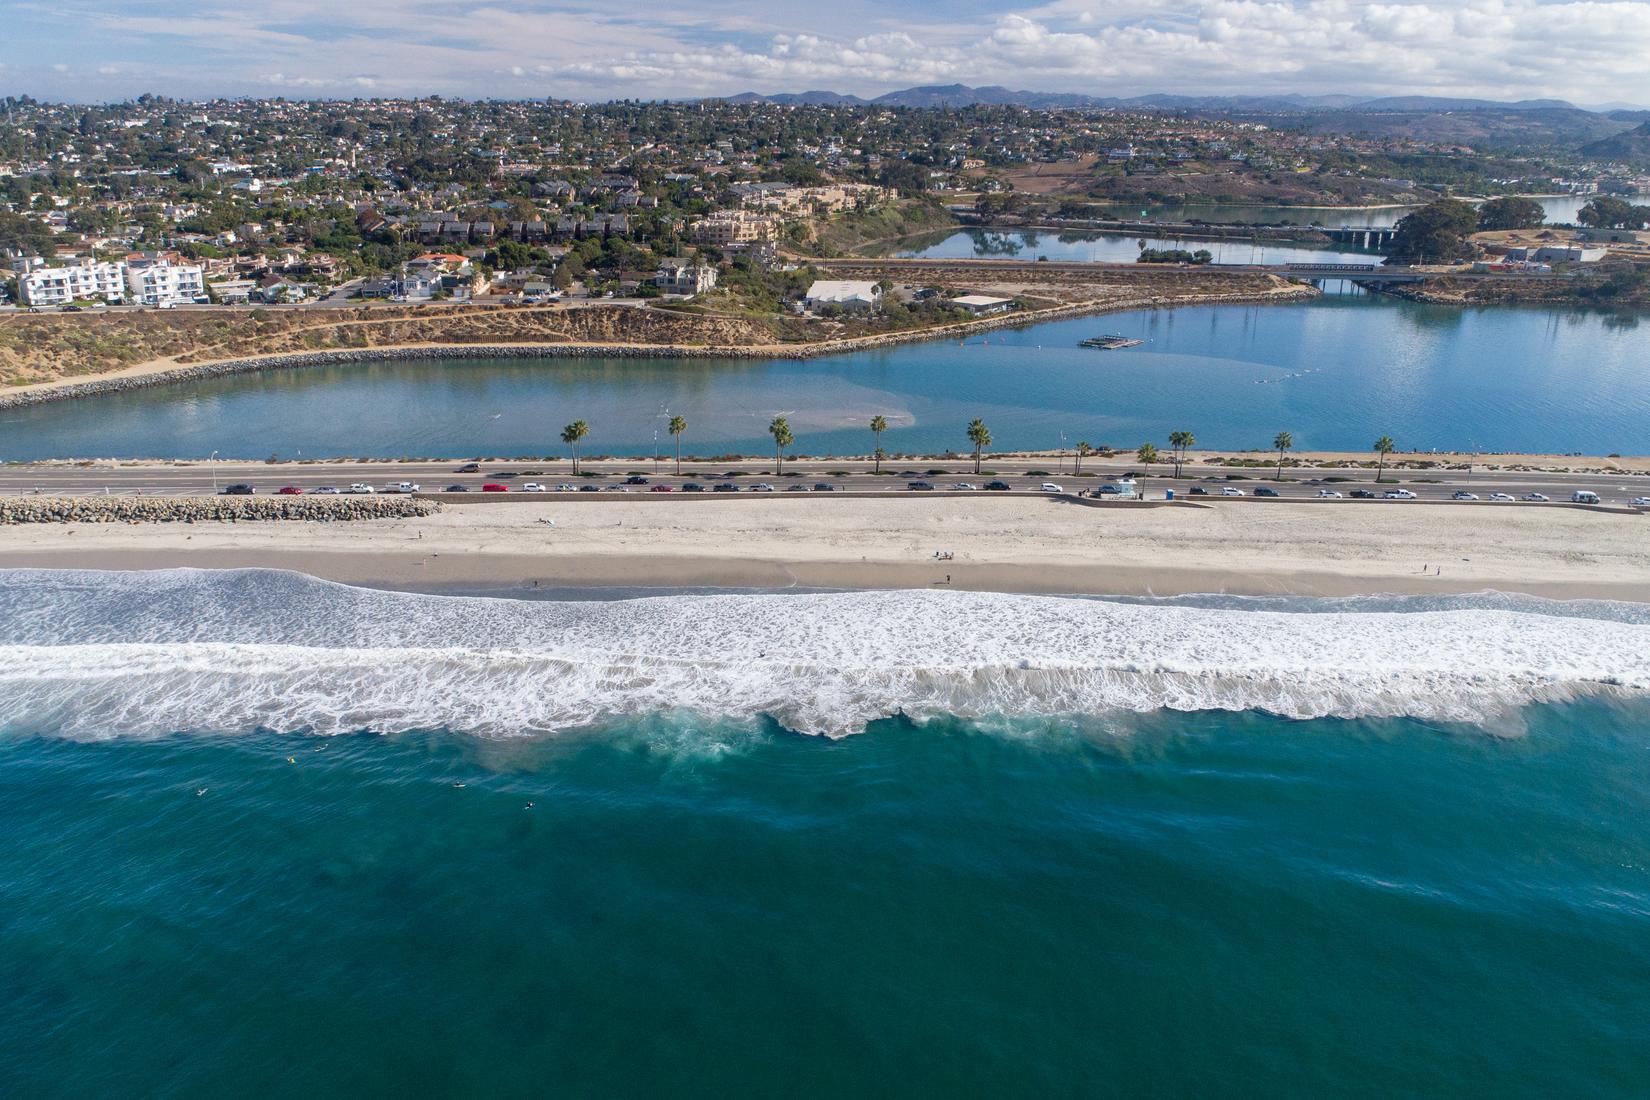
point(731, 228)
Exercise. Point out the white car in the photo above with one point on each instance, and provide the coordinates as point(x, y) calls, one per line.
point(360, 487)
point(534, 487)
point(326, 490)
point(1398, 494)
point(1329, 494)
point(1539, 498)
point(402, 487)
point(964, 487)
point(1640, 502)
point(1050, 487)
point(1232, 491)
point(565, 488)
point(762, 487)
point(1503, 498)
point(1462, 494)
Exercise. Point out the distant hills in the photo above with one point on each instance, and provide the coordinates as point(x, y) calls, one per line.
point(1633, 146)
point(961, 95)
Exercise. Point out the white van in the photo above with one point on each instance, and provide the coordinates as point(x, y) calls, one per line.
point(1583, 496)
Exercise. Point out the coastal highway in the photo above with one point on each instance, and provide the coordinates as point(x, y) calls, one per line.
point(205, 478)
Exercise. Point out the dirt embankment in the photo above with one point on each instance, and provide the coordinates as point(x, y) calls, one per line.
point(1590, 291)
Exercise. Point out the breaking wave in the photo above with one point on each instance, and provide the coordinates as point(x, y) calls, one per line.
point(92, 654)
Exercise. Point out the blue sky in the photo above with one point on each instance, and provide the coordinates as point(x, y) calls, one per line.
point(1588, 51)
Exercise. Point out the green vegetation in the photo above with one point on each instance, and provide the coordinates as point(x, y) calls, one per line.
point(678, 425)
point(1175, 256)
point(980, 436)
point(780, 429)
point(1606, 212)
point(1282, 442)
point(572, 435)
point(1180, 441)
point(1383, 447)
point(879, 424)
point(1435, 234)
point(1147, 456)
point(1510, 213)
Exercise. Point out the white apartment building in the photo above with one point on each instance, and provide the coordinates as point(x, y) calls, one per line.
point(142, 278)
point(84, 280)
point(730, 228)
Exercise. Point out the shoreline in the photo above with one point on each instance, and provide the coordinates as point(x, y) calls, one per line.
point(168, 372)
point(1028, 545)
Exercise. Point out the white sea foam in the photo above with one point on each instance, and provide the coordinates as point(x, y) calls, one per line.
point(105, 654)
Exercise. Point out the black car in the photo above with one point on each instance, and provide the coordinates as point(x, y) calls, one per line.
point(1363, 494)
point(998, 486)
point(239, 489)
point(458, 488)
point(1263, 491)
point(1199, 491)
point(469, 468)
point(635, 479)
point(726, 487)
point(796, 488)
point(590, 488)
point(824, 487)
point(693, 487)
point(919, 486)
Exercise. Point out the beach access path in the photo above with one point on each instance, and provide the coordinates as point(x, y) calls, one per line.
point(1021, 543)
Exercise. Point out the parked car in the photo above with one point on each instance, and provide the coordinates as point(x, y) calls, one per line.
point(1538, 498)
point(919, 486)
point(824, 487)
point(402, 487)
point(1583, 496)
point(663, 489)
point(495, 487)
point(1501, 497)
point(635, 479)
point(1196, 491)
point(289, 491)
point(1051, 487)
point(325, 490)
point(1265, 491)
point(1329, 494)
point(1232, 491)
point(469, 468)
point(964, 487)
point(762, 487)
point(590, 488)
point(997, 486)
point(1399, 494)
point(458, 488)
point(534, 487)
point(1462, 494)
point(726, 487)
point(1640, 502)
point(565, 488)
point(796, 488)
point(1363, 494)
point(693, 487)
point(615, 488)
point(239, 489)
point(360, 487)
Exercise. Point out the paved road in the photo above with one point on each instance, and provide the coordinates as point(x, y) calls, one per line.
point(204, 478)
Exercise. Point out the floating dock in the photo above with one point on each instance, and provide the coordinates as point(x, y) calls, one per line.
point(1110, 343)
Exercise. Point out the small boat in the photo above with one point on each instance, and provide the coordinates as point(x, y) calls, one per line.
point(1110, 342)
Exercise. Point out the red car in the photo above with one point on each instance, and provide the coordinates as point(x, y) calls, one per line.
point(495, 487)
point(289, 491)
point(663, 489)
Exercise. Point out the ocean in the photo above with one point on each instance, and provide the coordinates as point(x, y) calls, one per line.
point(270, 836)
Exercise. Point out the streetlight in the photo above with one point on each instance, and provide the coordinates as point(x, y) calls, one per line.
point(212, 459)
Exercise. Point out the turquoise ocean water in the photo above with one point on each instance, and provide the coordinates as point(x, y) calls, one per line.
point(269, 837)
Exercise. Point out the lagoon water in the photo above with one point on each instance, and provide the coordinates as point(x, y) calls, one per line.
point(1559, 210)
point(1337, 372)
point(1112, 248)
point(377, 863)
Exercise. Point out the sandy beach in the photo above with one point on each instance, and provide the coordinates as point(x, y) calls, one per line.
point(1001, 544)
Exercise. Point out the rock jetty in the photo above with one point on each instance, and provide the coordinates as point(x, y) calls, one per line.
point(42, 509)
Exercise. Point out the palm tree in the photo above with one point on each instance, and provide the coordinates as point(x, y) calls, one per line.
point(1083, 451)
point(1280, 443)
point(571, 435)
point(1180, 441)
point(780, 429)
point(1383, 447)
point(878, 426)
point(980, 436)
point(678, 425)
point(1147, 454)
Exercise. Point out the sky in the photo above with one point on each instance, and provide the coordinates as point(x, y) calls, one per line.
point(1591, 52)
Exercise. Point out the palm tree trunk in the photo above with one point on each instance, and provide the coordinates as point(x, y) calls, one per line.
point(976, 461)
point(1380, 468)
point(678, 456)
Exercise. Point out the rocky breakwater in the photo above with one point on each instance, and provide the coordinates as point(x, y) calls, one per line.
point(41, 509)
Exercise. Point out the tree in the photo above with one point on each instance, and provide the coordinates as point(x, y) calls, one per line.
point(1606, 212)
point(1083, 451)
point(1436, 233)
point(1383, 447)
point(878, 426)
point(678, 425)
point(1282, 442)
point(1180, 441)
point(980, 436)
point(1510, 213)
point(571, 435)
point(780, 429)
point(1147, 456)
